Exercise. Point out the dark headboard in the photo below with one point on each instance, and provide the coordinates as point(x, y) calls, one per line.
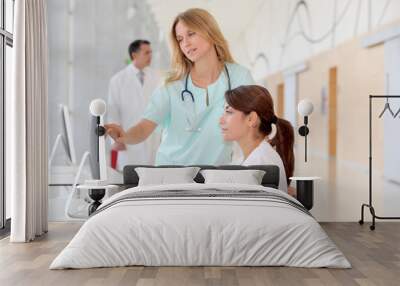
point(270, 179)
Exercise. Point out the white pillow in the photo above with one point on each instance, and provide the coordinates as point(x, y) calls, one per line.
point(163, 176)
point(248, 177)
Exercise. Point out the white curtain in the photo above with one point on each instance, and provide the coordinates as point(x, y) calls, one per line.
point(26, 117)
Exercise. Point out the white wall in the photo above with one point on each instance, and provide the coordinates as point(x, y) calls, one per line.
point(281, 35)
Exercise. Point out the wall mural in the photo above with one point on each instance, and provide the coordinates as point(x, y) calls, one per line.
point(301, 24)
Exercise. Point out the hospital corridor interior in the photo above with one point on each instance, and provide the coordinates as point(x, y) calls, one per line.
point(200, 142)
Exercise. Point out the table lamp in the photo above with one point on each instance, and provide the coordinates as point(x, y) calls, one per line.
point(305, 108)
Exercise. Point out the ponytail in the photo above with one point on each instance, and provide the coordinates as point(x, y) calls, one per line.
point(258, 99)
point(283, 141)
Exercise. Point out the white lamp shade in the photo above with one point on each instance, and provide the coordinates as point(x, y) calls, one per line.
point(97, 107)
point(305, 107)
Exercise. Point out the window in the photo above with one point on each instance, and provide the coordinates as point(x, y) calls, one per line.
point(6, 44)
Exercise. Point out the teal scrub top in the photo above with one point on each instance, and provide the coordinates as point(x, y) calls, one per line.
point(190, 131)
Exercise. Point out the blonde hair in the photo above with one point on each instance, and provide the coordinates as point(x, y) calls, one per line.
point(202, 22)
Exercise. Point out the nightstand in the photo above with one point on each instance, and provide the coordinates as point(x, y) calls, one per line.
point(97, 193)
point(305, 190)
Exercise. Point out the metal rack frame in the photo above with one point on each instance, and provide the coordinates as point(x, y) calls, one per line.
point(369, 205)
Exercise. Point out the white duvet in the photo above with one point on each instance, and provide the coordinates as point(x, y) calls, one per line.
point(200, 231)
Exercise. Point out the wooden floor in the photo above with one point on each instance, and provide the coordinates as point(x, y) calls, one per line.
point(374, 255)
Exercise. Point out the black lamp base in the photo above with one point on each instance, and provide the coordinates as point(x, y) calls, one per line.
point(305, 193)
point(96, 195)
point(303, 130)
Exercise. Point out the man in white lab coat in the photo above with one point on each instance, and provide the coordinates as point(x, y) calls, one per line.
point(129, 92)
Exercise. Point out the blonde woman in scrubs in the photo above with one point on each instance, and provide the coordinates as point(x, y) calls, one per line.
point(265, 139)
point(189, 105)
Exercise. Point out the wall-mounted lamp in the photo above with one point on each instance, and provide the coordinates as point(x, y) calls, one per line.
point(305, 108)
point(98, 108)
point(96, 193)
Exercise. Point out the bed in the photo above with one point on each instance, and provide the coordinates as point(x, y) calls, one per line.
point(201, 224)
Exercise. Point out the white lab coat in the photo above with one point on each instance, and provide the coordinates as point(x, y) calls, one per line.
point(127, 100)
point(265, 154)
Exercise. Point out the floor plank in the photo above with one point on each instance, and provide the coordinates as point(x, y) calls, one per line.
point(375, 257)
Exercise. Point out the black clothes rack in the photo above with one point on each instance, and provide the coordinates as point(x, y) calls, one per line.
point(369, 205)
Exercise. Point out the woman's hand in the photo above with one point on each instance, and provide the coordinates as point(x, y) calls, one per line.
point(116, 132)
point(118, 146)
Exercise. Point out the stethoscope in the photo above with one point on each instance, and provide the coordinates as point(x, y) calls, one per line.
point(187, 92)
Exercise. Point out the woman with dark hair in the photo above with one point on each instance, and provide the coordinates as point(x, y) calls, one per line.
point(249, 119)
